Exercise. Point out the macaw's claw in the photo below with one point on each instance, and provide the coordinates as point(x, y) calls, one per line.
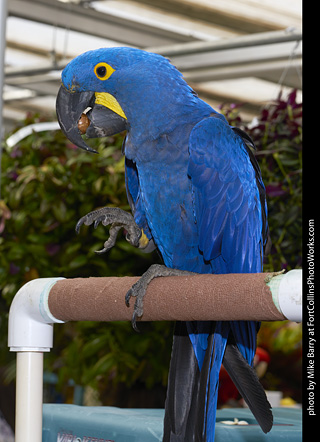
point(138, 290)
point(117, 219)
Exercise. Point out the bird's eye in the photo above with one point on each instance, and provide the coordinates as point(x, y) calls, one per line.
point(103, 71)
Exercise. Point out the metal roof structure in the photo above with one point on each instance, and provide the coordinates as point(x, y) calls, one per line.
point(228, 50)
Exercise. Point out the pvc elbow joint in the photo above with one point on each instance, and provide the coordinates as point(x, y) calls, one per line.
point(30, 320)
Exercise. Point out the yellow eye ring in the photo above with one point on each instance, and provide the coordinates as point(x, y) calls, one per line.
point(103, 71)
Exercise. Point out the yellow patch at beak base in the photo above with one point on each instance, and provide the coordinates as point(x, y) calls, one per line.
point(110, 102)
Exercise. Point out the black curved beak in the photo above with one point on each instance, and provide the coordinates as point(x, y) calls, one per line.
point(103, 121)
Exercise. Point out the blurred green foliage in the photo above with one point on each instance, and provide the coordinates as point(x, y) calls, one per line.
point(47, 185)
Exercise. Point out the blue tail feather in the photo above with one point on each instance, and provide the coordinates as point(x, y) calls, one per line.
point(244, 335)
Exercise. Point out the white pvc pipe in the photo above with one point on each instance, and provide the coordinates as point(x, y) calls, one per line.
point(27, 130)
point(30, 320)
point(286, 289)
point(290, 295)
point(30, 334)
point(29, 398)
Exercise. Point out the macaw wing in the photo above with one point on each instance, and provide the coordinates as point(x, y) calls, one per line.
point(228, 209)
point(228, 193)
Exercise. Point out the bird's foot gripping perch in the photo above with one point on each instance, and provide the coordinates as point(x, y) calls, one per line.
point(138, 290)
point(117, 219)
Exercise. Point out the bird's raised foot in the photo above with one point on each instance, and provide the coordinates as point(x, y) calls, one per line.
point(117, 219)
point(138, 290)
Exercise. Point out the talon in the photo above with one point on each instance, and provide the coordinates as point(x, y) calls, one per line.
point(127, 298)
point(100, 252)
point(98, 221)
point(127, 236)
point(78, 225)
point(138, 309)
point(134, 322)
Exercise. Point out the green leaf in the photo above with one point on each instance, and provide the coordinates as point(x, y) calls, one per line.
point(77, 262)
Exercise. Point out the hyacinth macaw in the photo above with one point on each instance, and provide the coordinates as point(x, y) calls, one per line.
point(196, 194)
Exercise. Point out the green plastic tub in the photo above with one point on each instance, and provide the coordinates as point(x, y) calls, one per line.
point(73, 423)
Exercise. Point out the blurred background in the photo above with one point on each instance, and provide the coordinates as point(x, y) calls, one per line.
point(244, 58)
point(233, 50)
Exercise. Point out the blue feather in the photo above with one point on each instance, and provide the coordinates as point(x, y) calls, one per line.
point(217, 352)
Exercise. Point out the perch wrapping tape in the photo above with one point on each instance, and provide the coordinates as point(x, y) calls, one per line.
point(181, 298)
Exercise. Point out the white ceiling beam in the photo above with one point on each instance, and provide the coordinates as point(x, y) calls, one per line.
point(251, 40)
point(236, 15)
point(17, 94)
point(29, 71)
point(120, 28)
point(209, 59)
point(42, 87)
point(269, 70)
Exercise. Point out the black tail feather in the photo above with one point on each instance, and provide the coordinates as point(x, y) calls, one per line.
point(187, 389)
point(182, 389)
point(248, 385)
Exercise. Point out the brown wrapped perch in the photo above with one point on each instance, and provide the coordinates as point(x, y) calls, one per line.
point(182, 298)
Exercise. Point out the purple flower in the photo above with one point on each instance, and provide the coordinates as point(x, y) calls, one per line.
point(52, 249)
point(274, 190)
point(13, 269)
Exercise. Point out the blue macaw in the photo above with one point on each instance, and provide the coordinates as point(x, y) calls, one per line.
point(196, 194)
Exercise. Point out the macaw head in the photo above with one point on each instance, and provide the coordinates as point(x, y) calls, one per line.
point(116, 89)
